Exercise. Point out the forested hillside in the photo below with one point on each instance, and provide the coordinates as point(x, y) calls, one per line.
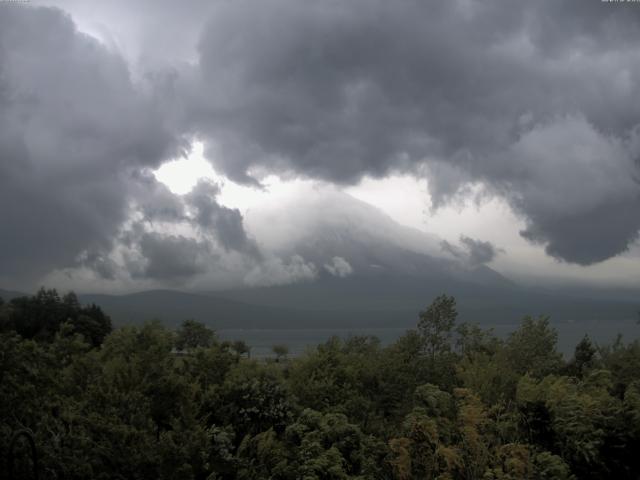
point(446, 401)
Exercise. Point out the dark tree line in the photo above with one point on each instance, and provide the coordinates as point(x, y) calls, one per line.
point(41, 316)
point(445, 401)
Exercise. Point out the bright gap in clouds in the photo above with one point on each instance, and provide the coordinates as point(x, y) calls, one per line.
point(406, 199)
point(403, 197)
point(181, 175)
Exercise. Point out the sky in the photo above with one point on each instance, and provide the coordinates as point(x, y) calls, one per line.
point(193, 145)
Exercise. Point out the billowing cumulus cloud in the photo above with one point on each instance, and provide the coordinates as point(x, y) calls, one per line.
point(471, 251)
point(147, 32)
point(78, 138)
point(479, 252)
point(276, 271)
point(578, 188)
point(225, 223)
point(73, 130)
point(175, 238)
point(172, 257)
point(338, 267)
point(534, 100)
point(155, 202)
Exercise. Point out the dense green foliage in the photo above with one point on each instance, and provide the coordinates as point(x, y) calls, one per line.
point(41, 317)
point(445, 401)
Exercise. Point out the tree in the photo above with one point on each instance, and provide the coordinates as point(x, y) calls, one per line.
point(551, 467)
point(71, 303)
point(400, 368)
point(532, 348)
point(280, 351)
point(471, 339)
point(435, 325)
point(193, 334)
point(253, 398)
point(314, 446)
point(349, 409)
point(5, 318)
point(491, 376)
point(41, 316)
point(38, 316)
point(92, 323)
point(241, 347)
point(583, 358)
point(623, 360)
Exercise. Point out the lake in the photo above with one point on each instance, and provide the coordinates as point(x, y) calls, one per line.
point(299, 340)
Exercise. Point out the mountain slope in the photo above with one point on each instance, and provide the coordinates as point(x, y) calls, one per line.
point(172, 307)
point(325, 305)
point(401, 298)
point(393, 273)
point(7, 295)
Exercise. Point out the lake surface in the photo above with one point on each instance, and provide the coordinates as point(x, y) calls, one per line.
point(299, 340)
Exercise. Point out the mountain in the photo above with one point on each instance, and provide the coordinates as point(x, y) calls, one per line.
point(9, 294)
point(400, 298)
point(172, 307)
point(352, 302)
point(349, 303)
point(388, 274)
point(396, 269)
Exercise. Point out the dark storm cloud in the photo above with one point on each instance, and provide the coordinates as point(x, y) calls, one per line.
point(479, 252)
point(471, 251)
point(337, 90)
point(537, 100)
point(225, 223)
point(102, 265)
point(172, 257)
point(578, 188)
point(151, 32)
point(77, 142)
point(155, 201)
point(73, 128)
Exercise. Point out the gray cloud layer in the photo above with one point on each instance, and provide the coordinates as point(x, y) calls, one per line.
point(73, 128)
point(225, 223)
point(77, 140)
point(472, 252)
point(535, 99)
point(208, 231)
point(170, 257)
